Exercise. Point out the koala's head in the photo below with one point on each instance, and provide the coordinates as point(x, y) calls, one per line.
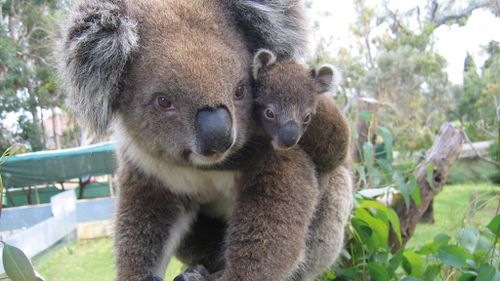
point(285, 96)
point(171, 76)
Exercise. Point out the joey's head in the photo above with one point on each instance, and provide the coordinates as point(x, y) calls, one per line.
point(285, 96)
point(171, 76)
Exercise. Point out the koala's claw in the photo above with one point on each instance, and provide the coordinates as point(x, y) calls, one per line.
point(194, 273)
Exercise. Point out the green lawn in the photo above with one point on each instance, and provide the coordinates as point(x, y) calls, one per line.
point(456, 205)
point(85, 260)
point(93, 259)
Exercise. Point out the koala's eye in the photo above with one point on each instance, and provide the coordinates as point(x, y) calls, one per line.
point(240, 92)
point(307, 118)
point(269, 114)
point(163, 103)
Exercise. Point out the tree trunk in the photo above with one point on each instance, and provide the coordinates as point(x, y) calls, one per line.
point(366, 125)
point(443, 153)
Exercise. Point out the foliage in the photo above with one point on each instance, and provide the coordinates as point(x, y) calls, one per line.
point(27, 70)
point(396, 63)
point(478, 101)
point(472, 255)
point(17, 266)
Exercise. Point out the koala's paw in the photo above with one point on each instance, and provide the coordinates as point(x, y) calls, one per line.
point(195, 273)
point(152, 278)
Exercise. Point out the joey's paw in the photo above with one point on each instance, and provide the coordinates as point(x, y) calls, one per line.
point(195, 273)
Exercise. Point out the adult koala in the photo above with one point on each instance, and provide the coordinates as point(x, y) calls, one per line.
point(172, 79)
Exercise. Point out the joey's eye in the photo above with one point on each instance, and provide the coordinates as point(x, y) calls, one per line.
point(307, 118)
point(269, 114)
point(163, 103)
point(240, 92)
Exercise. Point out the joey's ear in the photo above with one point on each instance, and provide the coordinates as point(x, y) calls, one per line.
point(324, 78)
point(262, 59)
point(96, 43)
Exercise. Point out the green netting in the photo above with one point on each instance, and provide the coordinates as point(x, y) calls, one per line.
point(60, 165)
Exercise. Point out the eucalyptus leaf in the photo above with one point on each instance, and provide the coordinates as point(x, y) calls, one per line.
point(488, 273)
point(17, 266)
point(430, 175)
point(398, 178)
point(378, 272)
point(452, 255)
point(494, 225)
point(469, 237)
point(388, 140)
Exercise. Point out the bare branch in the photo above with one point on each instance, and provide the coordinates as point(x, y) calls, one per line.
point(440, 20)
point(478, 155)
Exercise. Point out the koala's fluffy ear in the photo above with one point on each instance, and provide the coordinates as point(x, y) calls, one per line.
point(324, 78)
point(278, 25)
point(95, 45)
point(262, 59)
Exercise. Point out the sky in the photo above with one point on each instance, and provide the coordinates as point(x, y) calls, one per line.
point(451, 42)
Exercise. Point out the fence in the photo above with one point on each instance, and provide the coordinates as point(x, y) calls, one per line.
point(39, 227)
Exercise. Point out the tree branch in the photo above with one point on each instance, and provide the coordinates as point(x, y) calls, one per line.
point(443, 153)
point(438, 21)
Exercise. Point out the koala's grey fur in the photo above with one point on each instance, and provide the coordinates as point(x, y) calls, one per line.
point(98, 41)
point(278, 25)
point(117, 57)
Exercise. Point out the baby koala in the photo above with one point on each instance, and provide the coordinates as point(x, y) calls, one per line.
point(286, 96)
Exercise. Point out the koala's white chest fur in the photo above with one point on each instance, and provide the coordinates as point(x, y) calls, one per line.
point(213, 188)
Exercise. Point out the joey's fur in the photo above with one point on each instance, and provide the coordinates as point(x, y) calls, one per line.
point(290, 93)
point(157, 72)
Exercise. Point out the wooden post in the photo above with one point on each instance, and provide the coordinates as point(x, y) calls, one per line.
point(443, 153)
point(366, 125)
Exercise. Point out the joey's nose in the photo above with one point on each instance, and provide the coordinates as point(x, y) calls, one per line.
point(214, 131)
point(289, 134)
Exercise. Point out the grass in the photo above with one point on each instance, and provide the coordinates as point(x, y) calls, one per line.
point(456, 206)
point(93, 259)
point(85, 260)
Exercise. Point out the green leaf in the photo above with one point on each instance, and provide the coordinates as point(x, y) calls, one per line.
point(452, 255)
point(431, 272)
point(413, 264)
point(17, 265)
point(390, 213)
point(368, 156)
point(467, 276)
point(395, 261)
point(378, 272)
point(398, 178)
point(430, 175)
point(388, 140)
point(379, 227)
point(366, 116)
point(488, 273)
point(414, 190)
point(469, 237)
point(442, 238)
point(494, 225)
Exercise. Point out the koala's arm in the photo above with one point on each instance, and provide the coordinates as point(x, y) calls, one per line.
point(149, 223)
point(326, 140)
point(268, 229)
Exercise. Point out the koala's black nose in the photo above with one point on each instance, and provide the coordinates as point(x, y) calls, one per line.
point(214, 130)
point(289, 134)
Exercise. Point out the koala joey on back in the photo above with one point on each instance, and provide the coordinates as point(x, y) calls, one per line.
point(172, 79)
point(286, 97)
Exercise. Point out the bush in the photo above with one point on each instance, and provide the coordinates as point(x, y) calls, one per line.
point(471, 255)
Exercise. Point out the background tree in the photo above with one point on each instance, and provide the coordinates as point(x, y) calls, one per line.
point(27, 76)
point(396, 63)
